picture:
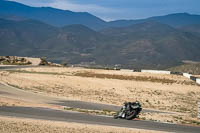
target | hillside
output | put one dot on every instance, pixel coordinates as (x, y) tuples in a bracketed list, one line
[(150, 44), (194, 28), (73, 43), (193, 68), (49, 15), (23, 37), (153, 43)]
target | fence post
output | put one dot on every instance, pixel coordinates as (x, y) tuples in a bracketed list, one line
[(198, 110)]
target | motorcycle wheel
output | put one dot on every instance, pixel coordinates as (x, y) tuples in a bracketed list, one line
[(131, 115)]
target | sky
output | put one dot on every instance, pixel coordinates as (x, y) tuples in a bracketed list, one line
[(121, 9)]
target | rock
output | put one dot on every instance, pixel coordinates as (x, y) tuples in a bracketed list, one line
[(43, 62), (14, 60)]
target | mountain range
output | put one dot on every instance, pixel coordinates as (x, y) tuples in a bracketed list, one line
[(57, 17), (81, 38)]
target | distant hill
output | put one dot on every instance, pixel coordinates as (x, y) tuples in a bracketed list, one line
[(49, 15), (34, 38), (150, 44), (76, 38), (177, 19), (22, 37), (12, 17), (174, 20), (59, 18), (193, 68), (74, 44), (153, 42), (194, 28)]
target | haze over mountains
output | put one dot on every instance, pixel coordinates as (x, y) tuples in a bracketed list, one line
[(156, 42)]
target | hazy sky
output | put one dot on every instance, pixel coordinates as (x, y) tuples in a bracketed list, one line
[(121, 9)]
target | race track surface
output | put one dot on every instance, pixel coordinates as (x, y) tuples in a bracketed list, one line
[(66, 116), (97, 106)]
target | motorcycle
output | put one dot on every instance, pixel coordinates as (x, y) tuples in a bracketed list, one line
[(129, 111)]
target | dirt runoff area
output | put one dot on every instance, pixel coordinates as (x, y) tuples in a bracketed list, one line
[(5, 101), (17, 125), (154, 91)]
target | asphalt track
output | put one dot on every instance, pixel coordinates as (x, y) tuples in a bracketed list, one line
[(65, 116), (98, 106)]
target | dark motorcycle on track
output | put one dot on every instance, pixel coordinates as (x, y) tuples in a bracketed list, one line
[(129, 111)]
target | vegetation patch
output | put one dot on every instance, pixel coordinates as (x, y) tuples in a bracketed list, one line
[(96, 112), (135, 78), (15, 63)]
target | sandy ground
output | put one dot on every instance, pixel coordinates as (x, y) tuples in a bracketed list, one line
[(17, 125), (4, 101), (171, 118), (179, 95), (6, 65), (69, 70), (34, 61)]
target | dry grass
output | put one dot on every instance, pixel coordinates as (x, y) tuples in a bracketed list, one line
[(95, 112), (135, 78), (171, 118), (17, 125)]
